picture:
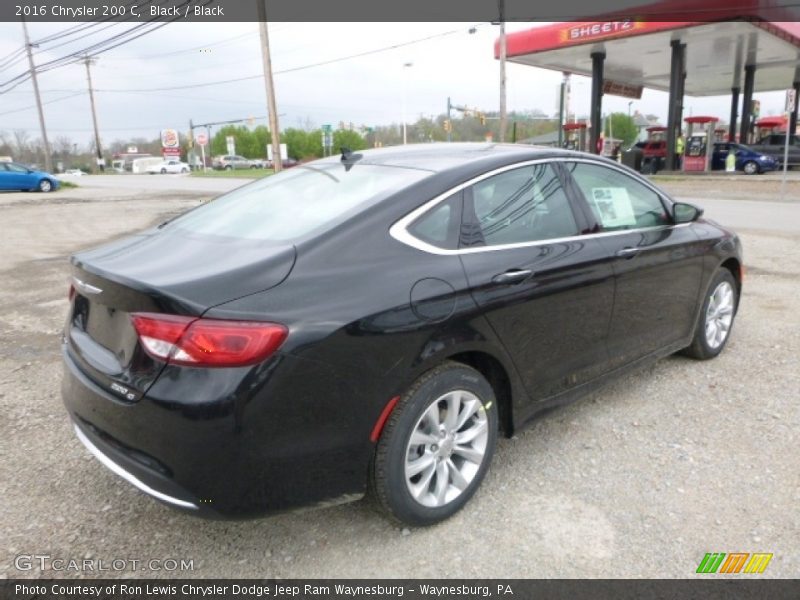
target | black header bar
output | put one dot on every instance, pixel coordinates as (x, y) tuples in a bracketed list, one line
[(388, 10)]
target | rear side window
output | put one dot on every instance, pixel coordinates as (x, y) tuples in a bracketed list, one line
[(297, 202), (440, 226), (526, 204), (617, 200)]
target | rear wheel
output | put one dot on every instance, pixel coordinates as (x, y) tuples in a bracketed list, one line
[(228, 168), (163, 171), (45, 185), (750, 168), (437, 446), (716, 317)]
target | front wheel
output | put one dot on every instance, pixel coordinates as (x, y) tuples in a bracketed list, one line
[(716, 317), (437, 446), (45, 185), (163, 171), (750, 168)]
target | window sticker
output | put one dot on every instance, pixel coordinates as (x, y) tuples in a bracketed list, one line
[(613, 206)]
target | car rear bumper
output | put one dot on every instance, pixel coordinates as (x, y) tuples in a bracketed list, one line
[(208, 447)]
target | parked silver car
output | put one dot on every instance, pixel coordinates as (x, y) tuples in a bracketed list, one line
[(233, 161)]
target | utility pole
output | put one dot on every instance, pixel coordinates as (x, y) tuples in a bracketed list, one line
[(100, 161), (450, 129), (48, 161), (269, 86), (503, 115)]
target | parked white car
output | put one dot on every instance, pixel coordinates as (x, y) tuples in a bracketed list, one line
[(74, 173), (168, 166)]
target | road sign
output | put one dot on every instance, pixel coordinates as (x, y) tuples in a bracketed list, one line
[(790, 100), (284, 154), (201, 138), (230, 142), (327, 128)]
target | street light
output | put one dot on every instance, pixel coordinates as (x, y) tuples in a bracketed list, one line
[(405, 86)]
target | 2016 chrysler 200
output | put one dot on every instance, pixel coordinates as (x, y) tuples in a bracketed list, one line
[(375, 320)]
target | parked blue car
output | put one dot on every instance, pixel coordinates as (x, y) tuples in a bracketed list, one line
[(14, 176), (747, 159)]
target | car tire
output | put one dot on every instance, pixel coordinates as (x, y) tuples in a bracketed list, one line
[(45, 185), (714, 323), (750, 168), (229, 168), (253, 166), (407, 472), (184, 170)]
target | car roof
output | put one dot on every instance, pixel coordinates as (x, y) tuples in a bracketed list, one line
[(444, 156)]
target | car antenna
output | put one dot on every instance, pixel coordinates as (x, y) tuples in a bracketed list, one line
[(348, 158)]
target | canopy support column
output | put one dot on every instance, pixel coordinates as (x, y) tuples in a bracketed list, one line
[(747, 104), (734, 114), (597, 100), (675, 101), (793, 115)]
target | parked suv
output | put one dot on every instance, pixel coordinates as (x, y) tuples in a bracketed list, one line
[(773, 144), (233, 161)]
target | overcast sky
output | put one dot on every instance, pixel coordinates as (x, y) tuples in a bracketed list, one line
[(368, 90)]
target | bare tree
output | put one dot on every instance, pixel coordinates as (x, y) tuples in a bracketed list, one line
[(6, 149), (62, 146), (21, 144)]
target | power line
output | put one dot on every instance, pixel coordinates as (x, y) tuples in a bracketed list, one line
[(290, 70), (95, 49), (53, 101)]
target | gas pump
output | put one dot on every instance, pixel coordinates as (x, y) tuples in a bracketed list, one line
[(699, 143), (654, 151), (575, 136)]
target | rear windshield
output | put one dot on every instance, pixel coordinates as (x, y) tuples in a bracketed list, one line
[(297, 202)]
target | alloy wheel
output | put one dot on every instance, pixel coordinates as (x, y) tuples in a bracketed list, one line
[(446, 448), (719, 315)]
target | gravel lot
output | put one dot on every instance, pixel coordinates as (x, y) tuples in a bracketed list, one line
[(639, 480)]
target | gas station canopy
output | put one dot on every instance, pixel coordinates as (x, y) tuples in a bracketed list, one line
[(638, 53), (683, 47)]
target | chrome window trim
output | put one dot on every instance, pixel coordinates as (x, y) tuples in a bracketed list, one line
[(127, 475), (399, 230)]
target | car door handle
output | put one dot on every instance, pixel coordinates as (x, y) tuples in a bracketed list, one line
[(628, 252), (512, 276)]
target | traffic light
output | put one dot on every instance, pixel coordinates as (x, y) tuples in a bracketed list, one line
[(447, 125), (482, 118)]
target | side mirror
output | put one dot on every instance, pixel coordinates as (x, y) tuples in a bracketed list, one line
[(682, 212)]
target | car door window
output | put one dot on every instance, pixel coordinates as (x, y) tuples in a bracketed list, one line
[(522, 205), (16, 168), (617, 200)]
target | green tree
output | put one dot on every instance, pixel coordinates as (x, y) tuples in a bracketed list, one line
[(345, 138), (249, 143), (621, 127)]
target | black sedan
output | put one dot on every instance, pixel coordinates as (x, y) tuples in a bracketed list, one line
[(374, 321)]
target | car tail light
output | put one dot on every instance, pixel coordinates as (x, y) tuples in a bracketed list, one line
[(71, 293), (195, 342)]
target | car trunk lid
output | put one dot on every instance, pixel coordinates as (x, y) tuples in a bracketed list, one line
[(154, 273)]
